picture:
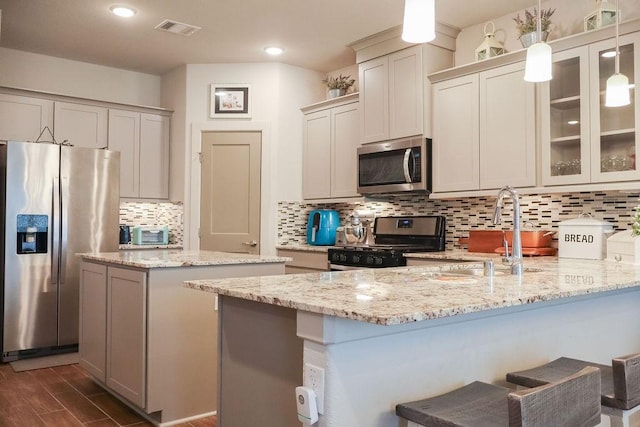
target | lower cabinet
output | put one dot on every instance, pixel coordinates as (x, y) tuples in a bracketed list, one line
[(304, 261), (150, 341), (113, 328), (126, 333)]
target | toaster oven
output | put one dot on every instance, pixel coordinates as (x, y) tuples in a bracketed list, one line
[(150, 235)]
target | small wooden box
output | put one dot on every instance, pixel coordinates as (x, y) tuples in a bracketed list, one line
[(622, 247)]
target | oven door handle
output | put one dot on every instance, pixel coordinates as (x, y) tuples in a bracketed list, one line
[(405, 165), (337, 267)]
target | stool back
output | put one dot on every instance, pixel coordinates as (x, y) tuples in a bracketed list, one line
[(572, 401), (626, 379)]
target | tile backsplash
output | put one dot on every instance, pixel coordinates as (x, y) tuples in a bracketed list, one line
[(148, 213), (542, 210)]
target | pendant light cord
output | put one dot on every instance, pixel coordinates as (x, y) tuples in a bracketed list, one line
[(617, 39), (539, 24)]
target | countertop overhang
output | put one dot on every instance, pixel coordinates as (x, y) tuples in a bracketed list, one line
[(178, 258), (393, 296)]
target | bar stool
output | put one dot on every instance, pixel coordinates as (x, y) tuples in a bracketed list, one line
[(571, 401), (620, 383)]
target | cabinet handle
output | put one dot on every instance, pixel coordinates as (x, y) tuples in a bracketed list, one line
[(252, 243)]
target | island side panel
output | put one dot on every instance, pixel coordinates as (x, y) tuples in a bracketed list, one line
[(260, 364), (368, 373), (182, 345)]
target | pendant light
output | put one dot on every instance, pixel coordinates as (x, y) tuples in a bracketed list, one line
[(419, 25), (538, 65), (617, 94)]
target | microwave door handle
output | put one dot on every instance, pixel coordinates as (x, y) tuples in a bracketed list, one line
[(405, 165)]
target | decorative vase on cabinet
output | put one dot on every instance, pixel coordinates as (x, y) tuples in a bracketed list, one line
[(528, 39), (334, 93)]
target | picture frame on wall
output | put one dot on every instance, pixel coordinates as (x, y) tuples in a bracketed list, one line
[(230, 101)]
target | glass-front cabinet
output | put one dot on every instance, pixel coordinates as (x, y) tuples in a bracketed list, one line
[(583, 141)]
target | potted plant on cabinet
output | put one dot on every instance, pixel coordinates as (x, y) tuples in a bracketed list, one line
[(338, 85), (527, 27)]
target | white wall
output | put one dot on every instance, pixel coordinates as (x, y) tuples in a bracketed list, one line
[(174, 97), (278, 91), (33, 71), (566, 20)]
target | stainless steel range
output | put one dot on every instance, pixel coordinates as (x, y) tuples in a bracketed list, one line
[(394, 236)]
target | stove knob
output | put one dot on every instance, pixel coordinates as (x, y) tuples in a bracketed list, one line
[(334, 257), (343, 257), (379, 260), (356, 258), (370, 260)]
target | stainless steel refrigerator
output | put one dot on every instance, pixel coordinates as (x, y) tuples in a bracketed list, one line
[(56, 201)]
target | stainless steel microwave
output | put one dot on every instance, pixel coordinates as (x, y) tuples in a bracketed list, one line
[(395, 166)]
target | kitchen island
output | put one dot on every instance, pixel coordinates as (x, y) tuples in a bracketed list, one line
[(141, 332), (387, 336)]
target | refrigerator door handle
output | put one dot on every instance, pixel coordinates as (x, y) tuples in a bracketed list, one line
[(64, 226), (55, 232)]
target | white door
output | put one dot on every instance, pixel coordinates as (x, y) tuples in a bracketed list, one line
[(230, 195)]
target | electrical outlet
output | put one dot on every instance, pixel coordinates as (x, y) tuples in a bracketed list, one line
[(314, 379)]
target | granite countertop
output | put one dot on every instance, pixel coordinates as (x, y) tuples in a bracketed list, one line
[(178, 258), (132, 247), (394, 296)]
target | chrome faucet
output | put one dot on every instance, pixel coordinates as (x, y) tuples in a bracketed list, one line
[(515, 260)]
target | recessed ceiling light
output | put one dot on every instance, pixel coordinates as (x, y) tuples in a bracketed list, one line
[(122, 11), (273, 50)]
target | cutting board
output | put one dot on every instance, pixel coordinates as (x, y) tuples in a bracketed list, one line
[(483, 240)]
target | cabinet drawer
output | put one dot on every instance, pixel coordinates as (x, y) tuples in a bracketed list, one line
[(305, 260)]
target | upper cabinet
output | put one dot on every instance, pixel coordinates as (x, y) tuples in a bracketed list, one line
[(583, 141), (22, 118), (330, 143), (391, 96), (484, 131), (143, 142), (80, 125)]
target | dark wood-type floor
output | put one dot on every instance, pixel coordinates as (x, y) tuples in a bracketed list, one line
[(64, 396)]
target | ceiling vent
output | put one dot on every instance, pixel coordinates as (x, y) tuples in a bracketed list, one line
[(177, 27)]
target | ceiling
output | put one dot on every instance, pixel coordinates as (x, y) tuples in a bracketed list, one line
[(314, 33)]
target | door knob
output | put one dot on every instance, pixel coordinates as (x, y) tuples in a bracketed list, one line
[(252, 243)]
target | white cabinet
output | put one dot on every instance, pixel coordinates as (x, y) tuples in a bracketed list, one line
[(126, 333), (391, 96), (143, 141), (330, 138), (484, 131), (304, 261), (93, 319), (80, 125), (113, 328), (22, 118), (583, 141)]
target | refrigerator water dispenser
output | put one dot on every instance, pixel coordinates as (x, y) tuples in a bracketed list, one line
[(32, 234)]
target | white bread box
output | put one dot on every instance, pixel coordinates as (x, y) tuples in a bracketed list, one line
[(584, 237), (622, 247)]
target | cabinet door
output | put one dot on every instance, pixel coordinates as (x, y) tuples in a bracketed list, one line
[(316, 183), (507, 128), (127, 333), (405, 93), (23, 118), (92, 346), (615, 139), (344, 146), (124, 136), (564, 118), (374, 100), (456, 148), (80, 125), (154, 156)]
